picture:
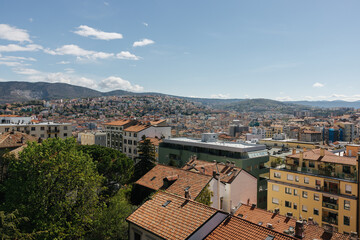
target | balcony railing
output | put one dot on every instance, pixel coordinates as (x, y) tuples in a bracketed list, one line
[(347, 176), (330, 190), (330, 220), (53, 131), (330, 205)]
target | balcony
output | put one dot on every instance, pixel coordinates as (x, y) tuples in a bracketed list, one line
[(331, 220), (347, 176), (330, 205), (49, 131), (330, 190)]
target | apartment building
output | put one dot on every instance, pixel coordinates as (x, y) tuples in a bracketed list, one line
[(320, 185), (93, 138), (250, 157), (125, 135)]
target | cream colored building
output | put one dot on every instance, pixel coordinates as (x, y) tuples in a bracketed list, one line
[(93, 138)]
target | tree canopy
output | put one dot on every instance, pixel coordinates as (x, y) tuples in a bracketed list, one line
[(146, 160), (55, 186)]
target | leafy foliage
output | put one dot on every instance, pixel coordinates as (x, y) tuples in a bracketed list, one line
[(9, 225), (146, 160), (205, 196), (115, 166), (111, 223), (55, 186)]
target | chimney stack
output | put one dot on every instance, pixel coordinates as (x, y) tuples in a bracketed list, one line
[(232, 164), (354, 236), (293, 151), (187, 194), (227, 163), (329, 229), (322, 152), (299, 229)]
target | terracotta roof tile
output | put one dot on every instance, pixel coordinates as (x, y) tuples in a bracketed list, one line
[(136, 128), (281, 223), (10, 140), (118, 123), (177, 220), (329, 157), (154, 179), (227, 173), (237, 228)]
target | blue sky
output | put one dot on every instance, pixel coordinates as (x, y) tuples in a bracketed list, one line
[(277, 49)]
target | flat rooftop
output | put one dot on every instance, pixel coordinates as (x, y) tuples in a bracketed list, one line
[(33, 124), (219, 145)]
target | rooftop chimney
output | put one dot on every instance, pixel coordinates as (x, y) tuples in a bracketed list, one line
[(354, 236), (299, 229), (227, 163), (329, 229), (276, 210), (187, 194), (216, 175), (322, 152), (293, 151)]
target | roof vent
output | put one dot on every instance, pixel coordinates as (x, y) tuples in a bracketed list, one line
[(269, 225), (270, 237), (260, 223), (289, 214), (328, 228), (253, 205), (276, 210)]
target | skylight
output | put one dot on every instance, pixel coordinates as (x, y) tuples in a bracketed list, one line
[(166, 203), (152, 178)]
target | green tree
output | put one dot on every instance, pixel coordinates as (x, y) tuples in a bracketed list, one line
[(9, 225), (115, 166), (111, 223), (146, 160), (205, 196), (56, 187)]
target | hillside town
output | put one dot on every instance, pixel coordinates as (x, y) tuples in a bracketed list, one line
[(299, 168)]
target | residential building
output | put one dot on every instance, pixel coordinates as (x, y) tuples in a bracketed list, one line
[(250, 157), (232, 186), (43, 130), (168, 216), (124, 135), (309, 229), (320, 185), (93, 138)]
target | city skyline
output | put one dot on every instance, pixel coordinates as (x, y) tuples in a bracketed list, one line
[(279, 50)]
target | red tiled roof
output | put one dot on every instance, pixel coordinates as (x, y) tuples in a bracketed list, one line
[(154, 179), (281, 223), (4, 115), (227, 173), (329, 157), (177, 220), (136, 128), (118, 123), (10, 140), (237, 228)]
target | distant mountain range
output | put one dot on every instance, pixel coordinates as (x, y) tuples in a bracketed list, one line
[(25, 91)]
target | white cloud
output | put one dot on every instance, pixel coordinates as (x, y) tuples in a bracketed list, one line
[(318, 85), (18, 48), (10, 33), (10, 64), (222, 96), (106, 3), (31, 19), (63, 62), (127, 55), (79, 52), (145, 24), (115, 83), (26, 71), (143, 42), (286, 98), (87, 31)]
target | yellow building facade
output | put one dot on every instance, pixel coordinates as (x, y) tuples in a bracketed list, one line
[(308, 188)]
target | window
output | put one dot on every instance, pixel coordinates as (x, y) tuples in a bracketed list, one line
[(347, 188), (304, 208), (42, 128), (137, 236), (306, 180), (135, 142), (346, 169), (7, 129), (311, 164), (305, 195), (316, 211), (346, 220), (124, 150), (277, 175), (295, 192), (65, 134), (295, 205), (318, 182), (125, 141), (275, 200), (290, 177), (32, 128), (316, 197), (296, 178), (135, 151), (346, 205), (275, 188), (129, 150), (221, 202), (129, 134), (288, 190), (135, 135), (42, 135), (65, 127), (288, 204)]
